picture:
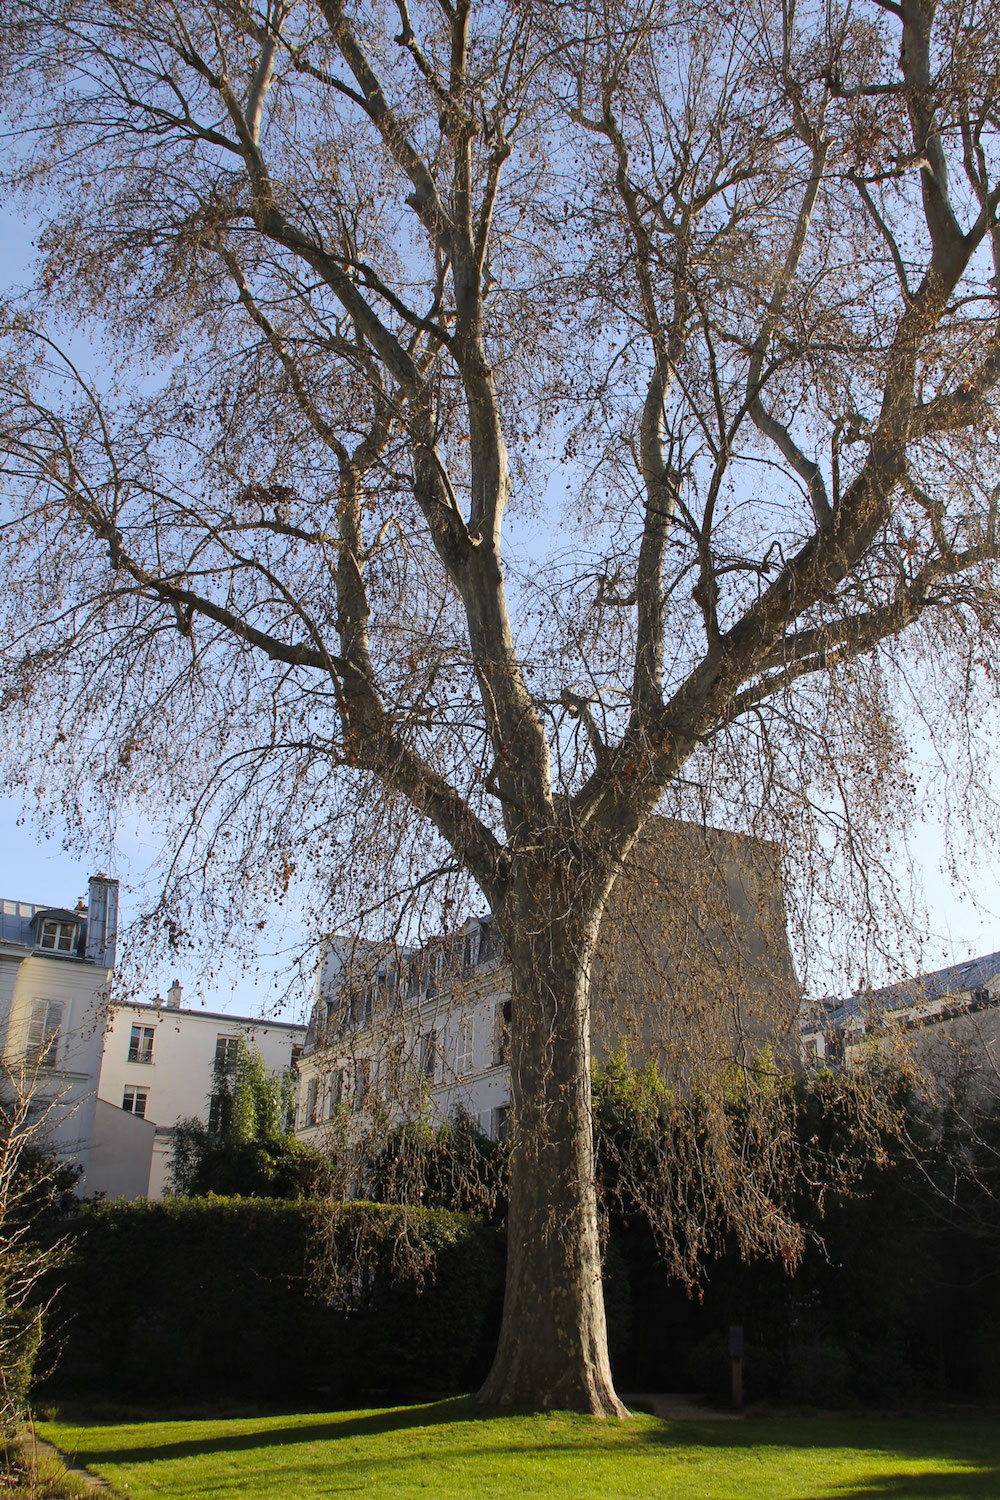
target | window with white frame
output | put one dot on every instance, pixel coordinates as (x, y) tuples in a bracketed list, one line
[(489, 942), (429, 1055), (58, 937), (44, 1028), (470, 950), (312, 1101), (226, 1051), (337, 1090), (140, 1045), (362, 1079), (134, 1101), (465, 1048)]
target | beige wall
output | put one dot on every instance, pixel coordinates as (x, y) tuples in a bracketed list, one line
[(694, 967)]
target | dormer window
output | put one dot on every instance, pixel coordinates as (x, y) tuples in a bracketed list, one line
[(56, 931), (59, 936), (470, 954)]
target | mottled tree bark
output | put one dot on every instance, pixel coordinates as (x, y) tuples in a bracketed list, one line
[(553, 1349)]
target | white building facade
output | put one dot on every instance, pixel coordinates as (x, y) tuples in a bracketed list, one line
[(56, 966), (158, 1068), (409, 1033)]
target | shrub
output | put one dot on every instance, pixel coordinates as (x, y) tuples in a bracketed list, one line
[(33, 1189), (20, 1335), (266, 1297), (820, 1374), (248, 1148)]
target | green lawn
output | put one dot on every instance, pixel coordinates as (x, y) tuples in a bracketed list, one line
[(450, 1448)]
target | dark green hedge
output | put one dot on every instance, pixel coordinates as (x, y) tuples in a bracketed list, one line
[(262, 1297)]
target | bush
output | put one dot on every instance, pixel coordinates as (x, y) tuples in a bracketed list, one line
[(820, 1374), (264, 1297), (34, 1187), (710, 1370), (248, 1149), (20, 1336)]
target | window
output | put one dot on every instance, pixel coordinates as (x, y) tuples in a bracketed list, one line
[(312, 1100), (214, 1114), (363, 1003), (337, 1089), (489, 942), (226, 1051), (501, 1033), (58, 937), (470, 952), (466, 1045), (134, 1101), (429, 1055), (140, 1046), (500, 1123), (362, 1079), (42, 1047)]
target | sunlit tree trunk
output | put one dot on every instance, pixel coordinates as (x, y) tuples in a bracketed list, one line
[(553, 1349)]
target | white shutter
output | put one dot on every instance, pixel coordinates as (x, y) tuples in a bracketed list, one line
[(42, 1047), (466, 1045), (36, 1031), (53, 1026)]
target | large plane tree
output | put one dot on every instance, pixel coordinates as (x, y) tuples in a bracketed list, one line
[(702, 298)]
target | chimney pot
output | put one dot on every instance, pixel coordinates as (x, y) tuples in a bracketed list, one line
[(174, 995)]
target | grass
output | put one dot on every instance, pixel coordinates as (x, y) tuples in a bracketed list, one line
[(452, 1448)]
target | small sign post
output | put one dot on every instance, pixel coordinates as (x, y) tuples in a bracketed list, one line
[(736, 1359)]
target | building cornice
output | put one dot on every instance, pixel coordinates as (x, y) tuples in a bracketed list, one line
[(166, 1011)]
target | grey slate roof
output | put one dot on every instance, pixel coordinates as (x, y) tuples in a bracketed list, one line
[(974, 974), (15, 921)]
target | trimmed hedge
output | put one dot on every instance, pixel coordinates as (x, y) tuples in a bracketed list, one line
[(263, 1297)]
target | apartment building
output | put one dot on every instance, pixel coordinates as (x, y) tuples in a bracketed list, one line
[(56, 965), (694, 971), (158, 1067)]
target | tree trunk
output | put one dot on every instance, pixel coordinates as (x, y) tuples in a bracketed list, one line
[(553, 1349)]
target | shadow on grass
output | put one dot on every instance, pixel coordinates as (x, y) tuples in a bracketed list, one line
[(976, 1444), (372, 1424), (973, 1443), (979, 1485)]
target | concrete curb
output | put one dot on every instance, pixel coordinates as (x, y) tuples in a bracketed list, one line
[(32, 1443)]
